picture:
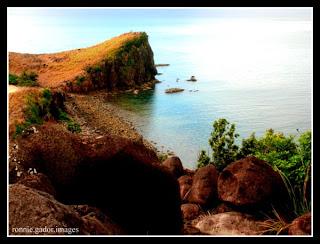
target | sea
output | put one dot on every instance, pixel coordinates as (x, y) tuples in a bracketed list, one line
[(253, 66)]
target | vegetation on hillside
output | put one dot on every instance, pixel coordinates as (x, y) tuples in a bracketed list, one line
[(55, 69), (288, 155), (27, 78), (39, 109)]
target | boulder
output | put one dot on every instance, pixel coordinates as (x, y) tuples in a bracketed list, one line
[(30, 208), (250, 181), (174, 165), (174, 90), (39, 182), (95, 222), (222, 208), (301, 225), (192, 78), (204, 186), (185, 183), (117, 175), (229, 223), (190, 211)]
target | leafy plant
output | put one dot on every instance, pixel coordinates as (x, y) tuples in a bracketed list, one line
[(222, 142), (203, 159), (73, 127), (28, 78), (13, 79)]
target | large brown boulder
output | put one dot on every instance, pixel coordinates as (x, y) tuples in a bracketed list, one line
[(204, 187), (119, 176), (174, 165), (190, 211), (54, 151), (33, 212), (229, 223), (185, 183), (29, 208), (250, 181), (301, 225), (95, 222), (39, 182)]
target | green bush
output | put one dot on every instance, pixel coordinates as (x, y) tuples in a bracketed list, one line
[(291, 156), (73, 127), (80, 80), (283, 152), (222, 143), (13, 79), (27, 78), (203, 159)]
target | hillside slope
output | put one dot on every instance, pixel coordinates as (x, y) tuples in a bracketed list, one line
[(121, 62)]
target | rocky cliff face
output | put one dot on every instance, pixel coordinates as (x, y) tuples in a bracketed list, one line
[(127, 67)]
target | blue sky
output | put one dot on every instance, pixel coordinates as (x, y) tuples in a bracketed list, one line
[(37, 30)]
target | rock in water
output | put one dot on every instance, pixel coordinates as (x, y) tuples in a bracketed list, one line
[(301, 225), (229, 223), (204, 186), (250, 181), (192, 78), (174, 165), (174, 90)]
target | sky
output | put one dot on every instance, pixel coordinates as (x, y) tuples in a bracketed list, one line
[(41, 30)]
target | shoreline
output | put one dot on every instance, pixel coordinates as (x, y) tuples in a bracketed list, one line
[(97, 117)]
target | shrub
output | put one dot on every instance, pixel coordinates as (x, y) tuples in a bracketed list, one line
[(222, 142), (28, 78), (80, 80), (203, 159), (38, 110), (290, 156), (73, 127), (13, 79)]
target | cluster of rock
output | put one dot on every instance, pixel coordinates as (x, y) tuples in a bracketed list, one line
[(118, 186), (115, 186), (227, 203)]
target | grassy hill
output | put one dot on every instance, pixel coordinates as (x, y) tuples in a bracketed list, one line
[(121, 61)]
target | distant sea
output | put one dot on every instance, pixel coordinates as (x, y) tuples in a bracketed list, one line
[(253, 68)]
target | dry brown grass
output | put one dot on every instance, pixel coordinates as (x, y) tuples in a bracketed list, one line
[(17, 105), (56, 68)]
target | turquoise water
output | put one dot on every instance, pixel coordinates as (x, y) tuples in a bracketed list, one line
[(256, 82), (253, 66)]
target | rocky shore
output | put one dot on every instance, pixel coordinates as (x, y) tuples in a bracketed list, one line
[(77, 167)]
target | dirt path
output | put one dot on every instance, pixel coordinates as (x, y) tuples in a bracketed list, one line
[(13, 88)]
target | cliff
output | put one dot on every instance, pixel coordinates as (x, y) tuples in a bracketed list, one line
[(125, 61)]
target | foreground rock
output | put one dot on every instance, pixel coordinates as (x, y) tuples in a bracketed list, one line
[(204, 187), (174, 90), (229, 223), (174, 165), (185, 183), (39, 182), (301, 225), (190, 211), (30, 208), (250, 181), (121, 177)]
